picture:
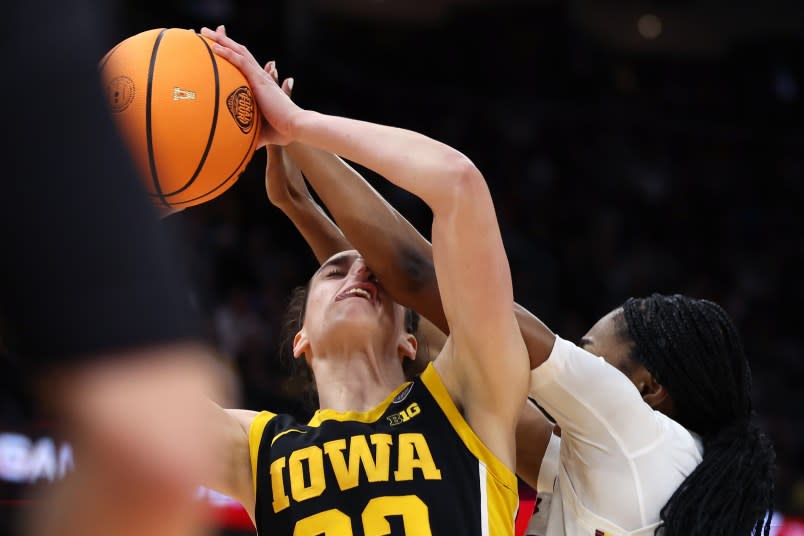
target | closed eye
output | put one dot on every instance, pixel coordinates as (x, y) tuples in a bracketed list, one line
[(334, 272)]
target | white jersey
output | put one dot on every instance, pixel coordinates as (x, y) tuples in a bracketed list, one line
[(619, 461), (548, 472)]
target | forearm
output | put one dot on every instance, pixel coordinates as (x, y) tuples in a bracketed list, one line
[(317, 229), (400, 256), (425, 167), (533, 432), (538, 338)]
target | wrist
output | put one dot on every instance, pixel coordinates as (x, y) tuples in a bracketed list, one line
[(292, 202), (298, 123)]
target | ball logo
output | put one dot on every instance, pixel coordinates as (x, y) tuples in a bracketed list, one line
[(120, 92), (180, 94), (241, 105)]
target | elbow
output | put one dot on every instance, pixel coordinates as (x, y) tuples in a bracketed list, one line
[(464, 173), (462, 181)]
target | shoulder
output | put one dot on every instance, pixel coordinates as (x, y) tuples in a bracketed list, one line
[(257, 424), (244, 417), (685, 446)]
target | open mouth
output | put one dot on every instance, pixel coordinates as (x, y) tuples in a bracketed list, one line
[(366, 291)]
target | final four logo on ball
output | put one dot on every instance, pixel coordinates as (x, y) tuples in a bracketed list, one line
[(120, 92), (241, 106)]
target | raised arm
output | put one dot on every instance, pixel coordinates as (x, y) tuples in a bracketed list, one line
[(287, 191), (484, 363), (400, 256), (396, 252)]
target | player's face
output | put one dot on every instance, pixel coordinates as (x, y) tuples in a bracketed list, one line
[(605, 340), (346, 301)]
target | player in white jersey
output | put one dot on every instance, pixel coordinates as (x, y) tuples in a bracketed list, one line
[(657, 432)]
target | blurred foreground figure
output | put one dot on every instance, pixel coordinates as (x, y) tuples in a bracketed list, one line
[(89, 292)]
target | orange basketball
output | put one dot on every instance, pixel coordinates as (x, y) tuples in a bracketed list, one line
[(187, 115)]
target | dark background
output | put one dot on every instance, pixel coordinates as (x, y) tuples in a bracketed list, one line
[(621, 162)]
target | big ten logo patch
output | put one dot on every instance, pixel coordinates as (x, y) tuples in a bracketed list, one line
[(241, 106), (405, 415)]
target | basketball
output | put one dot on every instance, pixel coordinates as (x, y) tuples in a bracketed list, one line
[(187, 115)]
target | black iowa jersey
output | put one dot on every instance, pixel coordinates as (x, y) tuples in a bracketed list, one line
[(411, 466)]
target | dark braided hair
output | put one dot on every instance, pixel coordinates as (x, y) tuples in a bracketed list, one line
[(294, 320), (692, 348)]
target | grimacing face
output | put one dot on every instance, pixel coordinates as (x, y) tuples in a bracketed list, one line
[(346, 304), (606, 341)]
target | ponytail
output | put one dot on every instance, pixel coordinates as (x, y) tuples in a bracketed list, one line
[(692, 348), (731, 490)]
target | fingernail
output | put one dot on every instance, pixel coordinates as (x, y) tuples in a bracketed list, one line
[(290, 84)]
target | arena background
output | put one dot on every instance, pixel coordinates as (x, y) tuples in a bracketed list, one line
[(630, 146)]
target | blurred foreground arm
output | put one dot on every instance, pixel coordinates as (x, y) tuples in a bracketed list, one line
[(90, 290)]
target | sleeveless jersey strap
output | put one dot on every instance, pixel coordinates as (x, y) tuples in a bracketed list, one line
[(255, 433), (438, 390)]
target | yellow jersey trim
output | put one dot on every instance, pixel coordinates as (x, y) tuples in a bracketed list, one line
[(366, 417), (255, 432), (289, 430), (497, 468)]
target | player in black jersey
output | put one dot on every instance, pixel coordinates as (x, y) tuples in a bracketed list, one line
[(386, 456)]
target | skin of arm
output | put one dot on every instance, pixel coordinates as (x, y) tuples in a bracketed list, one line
[(400, 256), (232, 475), (287, 191), (532, 436)]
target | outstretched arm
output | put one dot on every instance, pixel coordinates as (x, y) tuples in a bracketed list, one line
[(400, 257)]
